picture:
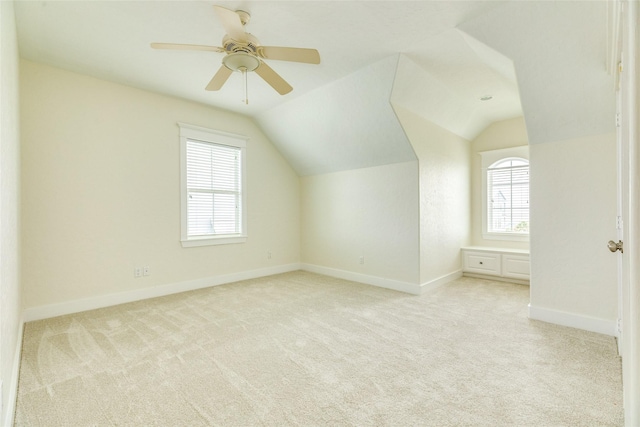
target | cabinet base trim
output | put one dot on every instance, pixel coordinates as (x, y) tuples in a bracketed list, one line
[(496, 278)]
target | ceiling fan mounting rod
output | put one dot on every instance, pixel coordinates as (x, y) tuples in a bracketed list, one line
[(245, 17)]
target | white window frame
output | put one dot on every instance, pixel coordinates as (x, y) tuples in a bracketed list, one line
[(488, 159), (197, 133)]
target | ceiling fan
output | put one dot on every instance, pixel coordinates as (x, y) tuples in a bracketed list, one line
[(244, 53)]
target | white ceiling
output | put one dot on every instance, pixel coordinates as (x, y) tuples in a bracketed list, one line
[(110, 40), (447, 54)]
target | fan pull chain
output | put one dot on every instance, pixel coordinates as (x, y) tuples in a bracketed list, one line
[(243, 70)]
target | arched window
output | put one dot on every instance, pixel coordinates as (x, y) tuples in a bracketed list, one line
[(505, 194), (508, 196)]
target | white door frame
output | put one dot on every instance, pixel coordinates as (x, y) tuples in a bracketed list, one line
[(628, 135)]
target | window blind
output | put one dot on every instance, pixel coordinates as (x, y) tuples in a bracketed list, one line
[(508, 207), (214, 189)]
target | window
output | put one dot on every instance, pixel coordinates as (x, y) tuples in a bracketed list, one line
[(212, 187), (506, 194)]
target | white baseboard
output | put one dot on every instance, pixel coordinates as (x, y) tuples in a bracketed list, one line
[(578, 321), (442, 280), (497, 278), (396, 285), (101, 301), (15, 375)]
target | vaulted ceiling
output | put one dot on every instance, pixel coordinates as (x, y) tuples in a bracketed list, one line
[(435, 58)]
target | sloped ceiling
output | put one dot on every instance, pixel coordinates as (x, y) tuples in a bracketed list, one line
[(559, 52), (347, 124), (446, 81), (435, 58)]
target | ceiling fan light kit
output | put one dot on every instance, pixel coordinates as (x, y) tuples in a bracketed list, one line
[(241, 61), (245, 54)]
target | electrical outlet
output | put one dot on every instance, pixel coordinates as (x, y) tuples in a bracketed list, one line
[(146, 271), (137, 272), (361, 260), (268, 254)]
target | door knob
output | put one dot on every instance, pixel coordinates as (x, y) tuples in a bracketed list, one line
[(613, 246)]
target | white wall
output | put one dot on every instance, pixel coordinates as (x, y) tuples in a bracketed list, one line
[(101, 191), (370, 212), (443, 159), (503, 134), (572, 164), (573, 216), (10, 291)]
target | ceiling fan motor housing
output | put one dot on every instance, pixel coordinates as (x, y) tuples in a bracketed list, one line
[(251, 45)]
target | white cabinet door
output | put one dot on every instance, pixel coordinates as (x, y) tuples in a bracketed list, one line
[(515, 266)]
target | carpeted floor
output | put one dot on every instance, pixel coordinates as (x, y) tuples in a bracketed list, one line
[(308, 350)]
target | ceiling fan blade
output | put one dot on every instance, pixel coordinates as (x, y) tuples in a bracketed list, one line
[(176, 46), (219, 79), (293, 54), (273, 78), (231, 23)]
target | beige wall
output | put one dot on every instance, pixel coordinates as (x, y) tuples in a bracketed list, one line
[(573, 215), (503, 134), (10, 291), (369, 212), (408, 220), (444, 195), (101, 190)]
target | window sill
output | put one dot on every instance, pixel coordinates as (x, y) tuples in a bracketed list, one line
[(212, 241), (513, 237)]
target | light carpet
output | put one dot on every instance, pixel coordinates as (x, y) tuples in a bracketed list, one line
[(301, 349)]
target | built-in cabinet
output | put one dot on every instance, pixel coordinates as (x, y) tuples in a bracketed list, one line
[(496, 262)]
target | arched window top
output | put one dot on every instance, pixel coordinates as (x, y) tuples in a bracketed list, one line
[(493, 157), (509, 162)]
